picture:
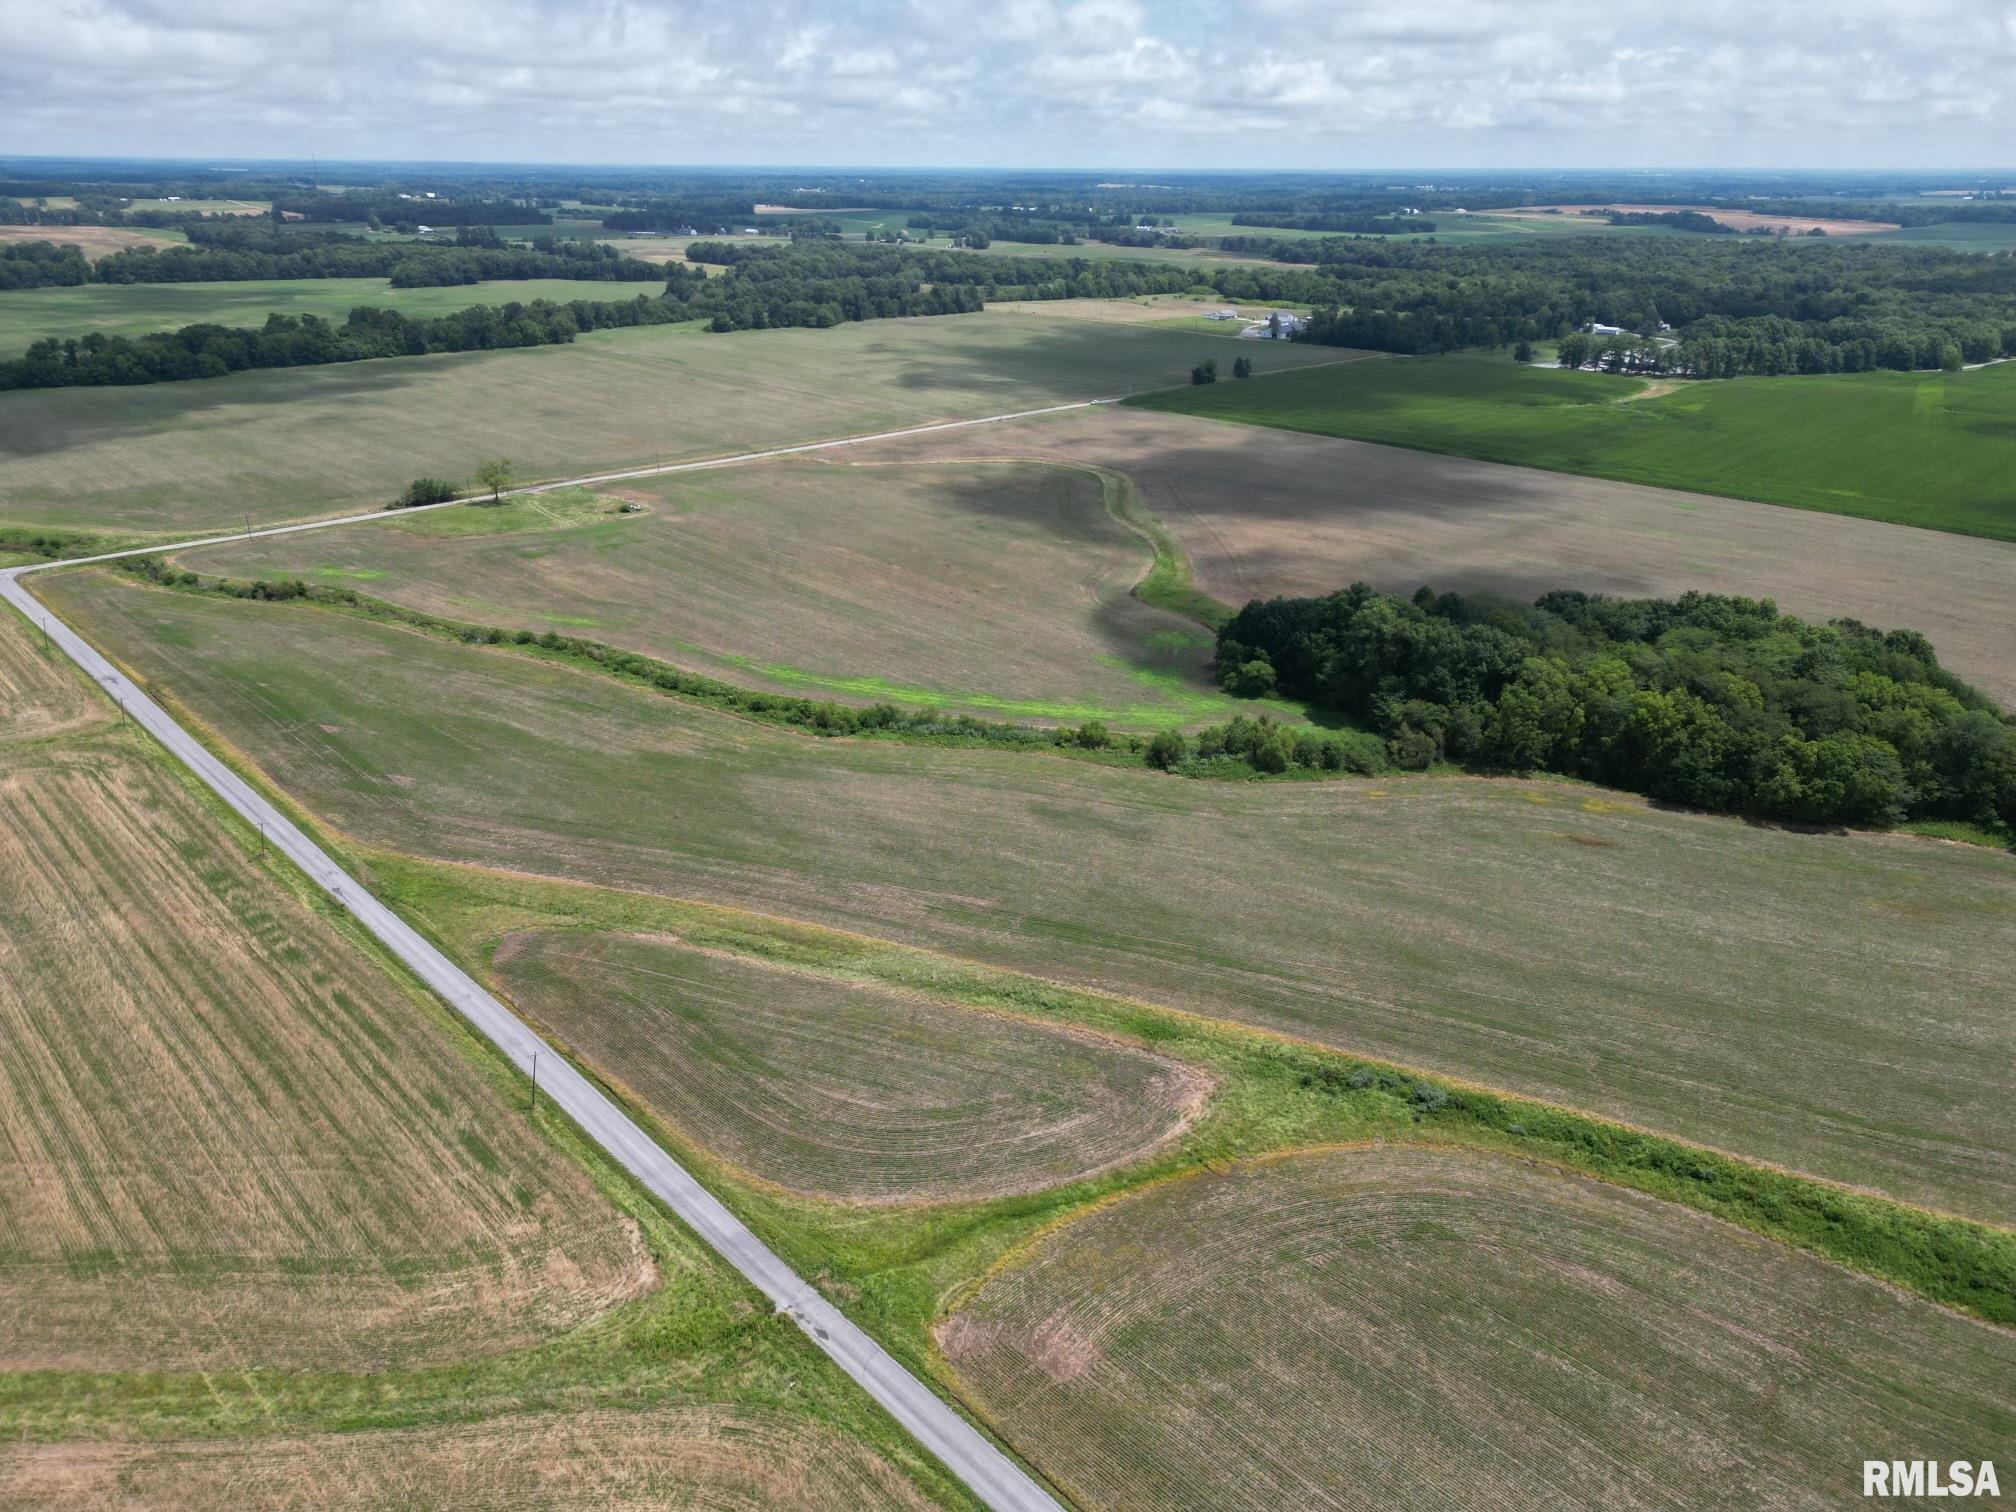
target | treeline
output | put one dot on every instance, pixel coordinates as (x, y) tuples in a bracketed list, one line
[(1714, 702), (42, 265), (1995, 209), (707, 215), (377, 208), (811, 284), (1738, 305), (211, 351), (1357, 225), (233, 254), (1678, 220), (1001, 278)]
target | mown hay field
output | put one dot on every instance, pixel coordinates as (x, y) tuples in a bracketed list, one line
[(1414, 1327), (730, 1459), (1263, 512), (1930, 449), (229, 1139), (1834, 1004), (840, 1090), (1001, 589), (27, 315), (182, 457)]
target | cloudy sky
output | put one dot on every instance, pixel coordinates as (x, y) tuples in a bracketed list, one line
[(1099, 83)]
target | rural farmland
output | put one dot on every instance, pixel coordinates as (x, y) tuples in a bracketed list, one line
[(1001, 589), (1928, 449), (469, 1235), (269, 1186), (846, 1092), (28, 315), (1260, 512), (696, 1456), (1425, 1327), (182, 457), (1234, 897), (777, 833)]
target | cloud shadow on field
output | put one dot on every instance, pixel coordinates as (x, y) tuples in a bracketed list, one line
[(41, 422), (1262, 512)]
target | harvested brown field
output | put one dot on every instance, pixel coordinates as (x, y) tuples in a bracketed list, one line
[(841, 1090), (1264, 512), (227, 1139), (93, 241), (716, 1457), (1737, 220), (995, 589), (1411, 1327), (659, 249), (1831, 1003), (40, 696)]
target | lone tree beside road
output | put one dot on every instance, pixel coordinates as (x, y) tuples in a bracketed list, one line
[(494, 475)]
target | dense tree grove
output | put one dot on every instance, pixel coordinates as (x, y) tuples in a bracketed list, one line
[(1678, 220), (41, 265), (816, 283), (1737, 305), (1715, 702), (996, 277)]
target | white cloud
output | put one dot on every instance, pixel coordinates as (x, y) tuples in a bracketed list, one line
[(1295, 83)]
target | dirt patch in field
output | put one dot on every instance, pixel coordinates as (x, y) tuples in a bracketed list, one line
[(715, 1457), (1264, 512), (1653, 388)]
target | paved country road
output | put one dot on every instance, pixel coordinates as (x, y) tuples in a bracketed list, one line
[(994, 1478)]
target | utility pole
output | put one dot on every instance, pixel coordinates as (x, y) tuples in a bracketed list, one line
[(262, 838), (535, 1081)]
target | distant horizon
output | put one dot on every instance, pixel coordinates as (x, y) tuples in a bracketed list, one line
[(1454, 169)]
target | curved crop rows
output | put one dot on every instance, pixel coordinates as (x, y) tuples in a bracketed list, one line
[(1414, 1327), (838, 1090)]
